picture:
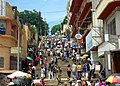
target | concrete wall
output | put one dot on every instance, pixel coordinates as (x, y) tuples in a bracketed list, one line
[(9, 12), (6, 42)]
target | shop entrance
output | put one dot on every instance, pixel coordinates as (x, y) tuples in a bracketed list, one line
[(116, 61)]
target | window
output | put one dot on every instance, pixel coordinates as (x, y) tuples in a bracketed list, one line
[(112, 27), (1, 62), (2, 27), (13, 63)]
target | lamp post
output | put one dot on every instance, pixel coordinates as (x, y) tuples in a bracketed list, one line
[(18, 58)]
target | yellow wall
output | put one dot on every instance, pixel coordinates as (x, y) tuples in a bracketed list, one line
[(6, 42), (23, 43), (9, 12)]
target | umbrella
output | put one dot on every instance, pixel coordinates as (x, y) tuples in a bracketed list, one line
[(11, 84), (82, 57), (29, 58), (85, 55), (17, 74), (113, 79)]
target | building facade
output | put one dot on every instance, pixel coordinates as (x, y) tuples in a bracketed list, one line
[(9, 26), (98, 23), (109, 12)]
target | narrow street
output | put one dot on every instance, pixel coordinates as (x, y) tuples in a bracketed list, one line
[(63, 65), (58, 42)]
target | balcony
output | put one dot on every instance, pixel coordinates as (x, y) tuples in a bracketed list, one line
[(106, 7)]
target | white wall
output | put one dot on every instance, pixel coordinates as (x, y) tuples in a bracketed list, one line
[(2, 8), (118, 22)]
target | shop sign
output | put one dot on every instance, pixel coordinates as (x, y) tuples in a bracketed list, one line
[(78, 36), (89, 43), (14, 50), (2, 27)]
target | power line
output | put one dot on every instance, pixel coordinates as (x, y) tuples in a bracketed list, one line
[(44, 4), (55, 11)]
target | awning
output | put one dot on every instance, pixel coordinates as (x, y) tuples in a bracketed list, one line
[(72, 19), (108, 10), (72, 5), (84, 13), (75, 9), (77, 5), (74, 32)]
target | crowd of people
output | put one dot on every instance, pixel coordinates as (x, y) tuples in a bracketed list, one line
[(81, 66), (47, 58)]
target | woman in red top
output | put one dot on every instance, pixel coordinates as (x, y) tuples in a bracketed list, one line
[(42, 82)]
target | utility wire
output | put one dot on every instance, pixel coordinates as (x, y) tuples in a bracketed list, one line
[(44, 4), (55, 11)]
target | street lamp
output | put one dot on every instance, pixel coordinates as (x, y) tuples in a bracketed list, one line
[(18, 59)]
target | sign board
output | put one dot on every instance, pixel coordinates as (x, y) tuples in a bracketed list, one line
[(14, 50), (89, 42), (78, 36), (2, 27)]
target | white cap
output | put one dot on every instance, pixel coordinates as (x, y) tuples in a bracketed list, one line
[(78, 81), (73, 84)]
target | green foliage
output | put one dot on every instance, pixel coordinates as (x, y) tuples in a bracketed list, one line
[(55, 28), (33, 29), (33, 18), (65, 20)]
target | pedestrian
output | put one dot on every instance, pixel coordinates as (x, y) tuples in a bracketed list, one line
[(50, 71), (74, 70), (42, 72), (33, 72), (42, 82), (84, 83), (59, 72), (79, 71), (69, 69), (73, 84), (78, 83), (65, 83), (84, 68)]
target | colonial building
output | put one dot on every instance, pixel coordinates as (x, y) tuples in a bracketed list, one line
[(9, 26)]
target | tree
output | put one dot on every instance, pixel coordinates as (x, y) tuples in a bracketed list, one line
[(32, 18), (55, 28), (58, 27), (65, 20)]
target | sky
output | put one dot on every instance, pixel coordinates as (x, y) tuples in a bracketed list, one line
[(53, 10)]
